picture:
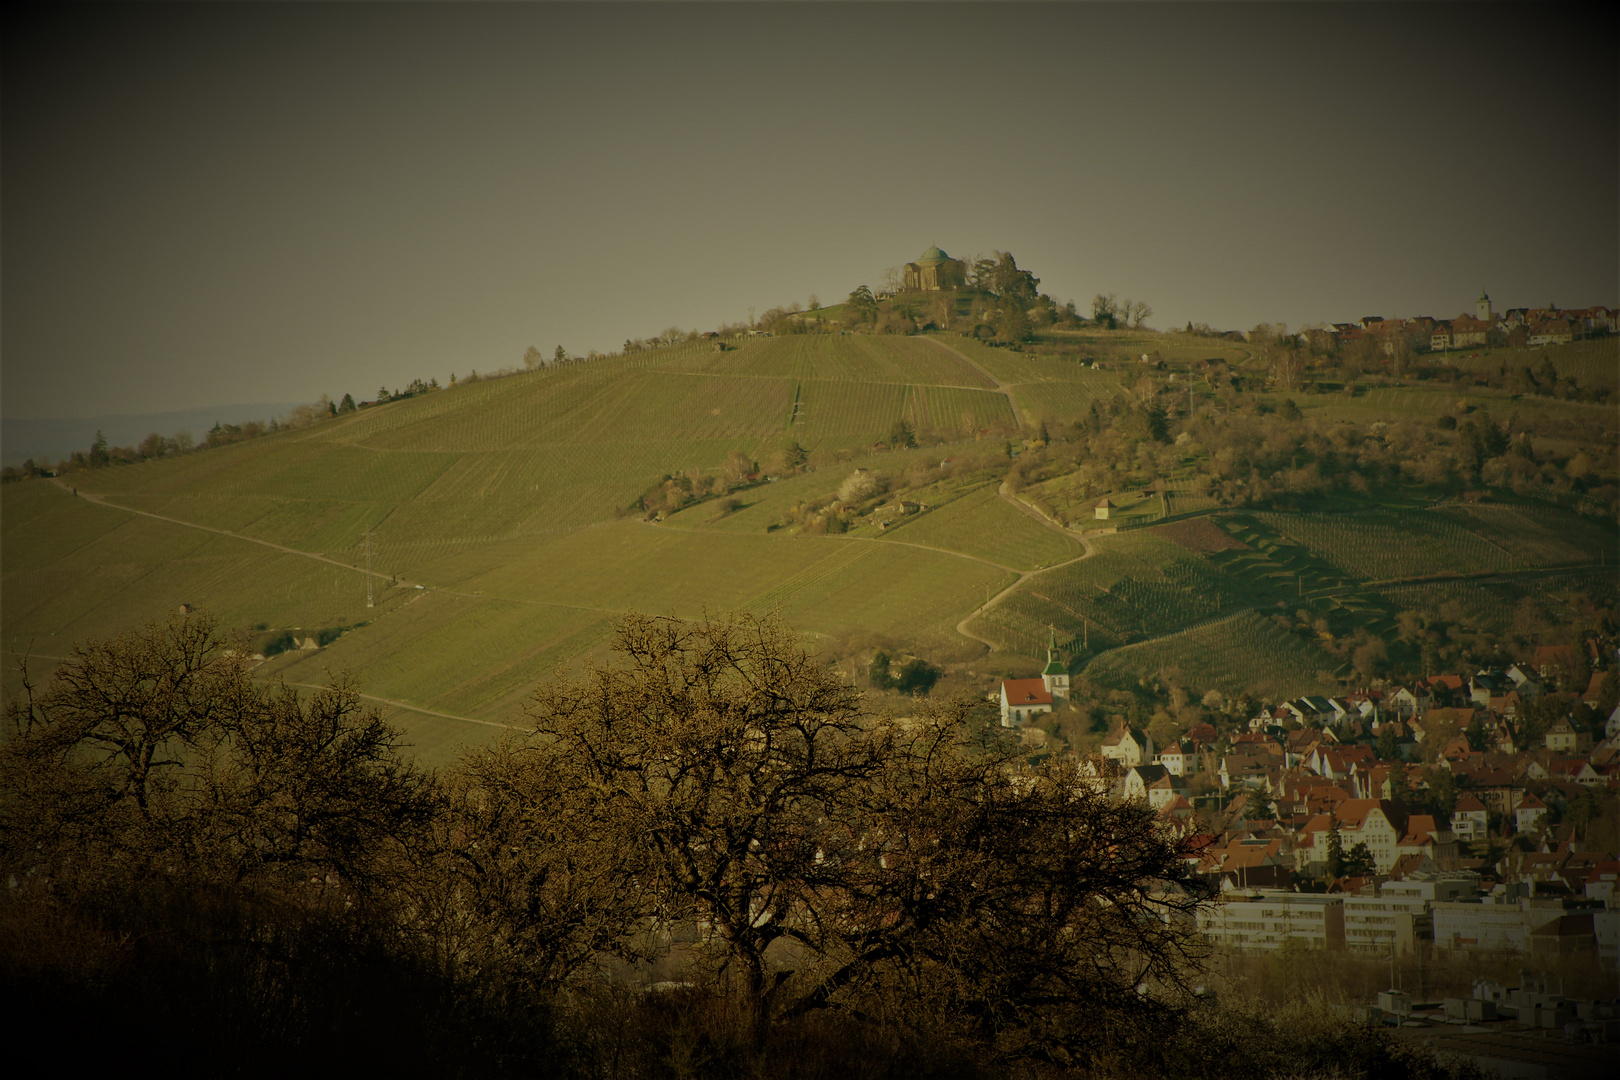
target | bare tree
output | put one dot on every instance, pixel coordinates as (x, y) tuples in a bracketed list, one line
[(731, 761), (155, 749), (892, 858)]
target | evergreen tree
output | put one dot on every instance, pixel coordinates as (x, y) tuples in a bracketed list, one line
[(1580, 665), (917, 676), (878, 671), (1475, 733), (1387, 747), (862, 305), (1335, 848), (1400, 785), (1359, 862)]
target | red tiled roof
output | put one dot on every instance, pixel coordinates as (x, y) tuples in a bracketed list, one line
[(1026, 692)]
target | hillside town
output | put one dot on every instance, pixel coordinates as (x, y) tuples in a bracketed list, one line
[(1458, 813), (1484, 327)]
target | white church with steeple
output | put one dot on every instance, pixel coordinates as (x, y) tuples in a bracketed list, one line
[(1024, 699)]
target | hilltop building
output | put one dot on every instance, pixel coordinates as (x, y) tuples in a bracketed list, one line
[(935, 271)]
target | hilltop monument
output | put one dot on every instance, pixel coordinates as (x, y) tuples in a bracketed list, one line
[(935, 271)]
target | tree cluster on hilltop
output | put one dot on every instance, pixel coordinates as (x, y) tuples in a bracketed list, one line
[(999, 302), (1242, 451)]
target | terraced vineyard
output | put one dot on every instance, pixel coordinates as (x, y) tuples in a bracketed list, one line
[(1136, 584), (1592, 363), (1242, 653), (1381, 546)]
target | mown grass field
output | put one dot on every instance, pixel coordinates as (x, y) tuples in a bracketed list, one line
[(984, 524)]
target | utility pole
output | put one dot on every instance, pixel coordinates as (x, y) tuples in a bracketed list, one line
[(370, 599)]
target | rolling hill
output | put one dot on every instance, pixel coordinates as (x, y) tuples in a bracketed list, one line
[(496, 517)]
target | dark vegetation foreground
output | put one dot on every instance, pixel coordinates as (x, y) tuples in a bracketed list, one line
[(217, 877)]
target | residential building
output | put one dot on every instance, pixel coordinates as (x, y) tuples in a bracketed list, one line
[(1563, 737), (1129, 746), (1138, 778), (1529, 813), (1470, 820), (1179, 760)]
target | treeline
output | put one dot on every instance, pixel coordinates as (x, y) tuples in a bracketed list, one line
[(807, 890)]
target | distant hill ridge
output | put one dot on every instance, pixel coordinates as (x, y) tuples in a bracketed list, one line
[(54, 438)]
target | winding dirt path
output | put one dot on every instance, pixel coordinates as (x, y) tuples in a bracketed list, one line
[(1023, 575), (395, 580), (1005, 389)]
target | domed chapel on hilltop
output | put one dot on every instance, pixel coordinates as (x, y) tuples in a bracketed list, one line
[(935, 271)]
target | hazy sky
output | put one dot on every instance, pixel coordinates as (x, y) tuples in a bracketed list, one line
[(217, 203)]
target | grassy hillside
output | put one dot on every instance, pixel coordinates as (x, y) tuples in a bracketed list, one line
[(501, 534)]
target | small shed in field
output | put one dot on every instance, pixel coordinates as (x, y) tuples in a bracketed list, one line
[(1105, 510)]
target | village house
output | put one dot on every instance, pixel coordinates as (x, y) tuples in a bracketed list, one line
[(1179, 759), (1378, 823), (1246, 767), (1564, 737), (1470, 819), (1528, 814), (1403, 702), (1129, 746), (1154, 785), (1551, 332), (1524, 681)]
